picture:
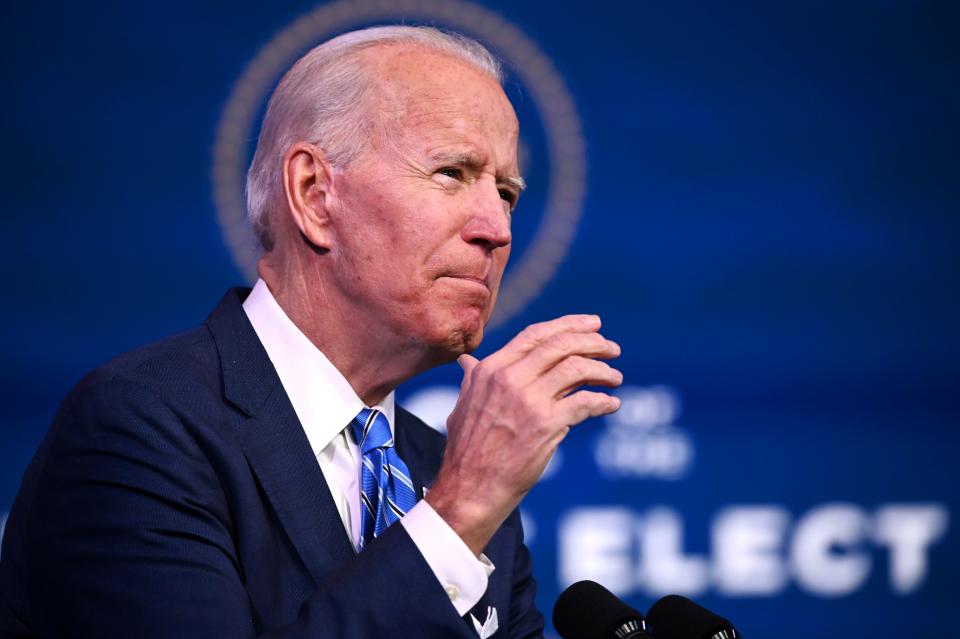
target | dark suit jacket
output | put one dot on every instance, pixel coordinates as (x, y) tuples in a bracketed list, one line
[(176, 495)]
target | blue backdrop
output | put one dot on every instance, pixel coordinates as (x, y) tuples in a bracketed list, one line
[(760, 200)]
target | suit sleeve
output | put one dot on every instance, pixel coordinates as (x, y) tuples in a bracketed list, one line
[(124, 530)]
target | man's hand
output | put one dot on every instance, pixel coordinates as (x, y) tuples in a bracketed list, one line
[(515, 407)]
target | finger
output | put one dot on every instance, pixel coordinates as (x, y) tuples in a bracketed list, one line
[(535, 334), (467, 363), (585, 404), (558, 349), (573, 372)]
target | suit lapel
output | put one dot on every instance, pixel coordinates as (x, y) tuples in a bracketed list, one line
[(420, 448), (275, 444)]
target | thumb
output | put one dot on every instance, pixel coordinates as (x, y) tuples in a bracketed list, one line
[(467, 363)]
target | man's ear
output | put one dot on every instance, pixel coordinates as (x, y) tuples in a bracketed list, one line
[(307, 180)]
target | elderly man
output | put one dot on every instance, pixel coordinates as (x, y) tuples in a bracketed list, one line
[(241, 479)]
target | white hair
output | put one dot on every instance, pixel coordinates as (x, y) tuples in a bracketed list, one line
[(322, 100)]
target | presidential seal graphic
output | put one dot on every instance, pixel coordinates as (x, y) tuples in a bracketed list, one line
[(552, 151)]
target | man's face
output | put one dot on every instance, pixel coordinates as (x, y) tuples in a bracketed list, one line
[(422, 221)]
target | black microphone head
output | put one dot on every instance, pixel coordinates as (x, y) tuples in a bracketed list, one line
[(676, 617), (587, 610)]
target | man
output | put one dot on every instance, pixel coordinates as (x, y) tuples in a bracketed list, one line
[(241, 479)]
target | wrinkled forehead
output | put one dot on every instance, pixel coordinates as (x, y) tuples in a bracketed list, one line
[(414, 86)]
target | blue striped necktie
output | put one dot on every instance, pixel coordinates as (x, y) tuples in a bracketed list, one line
[(386, 490)]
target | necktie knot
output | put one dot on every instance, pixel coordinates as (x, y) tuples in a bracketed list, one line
[(371, 430)]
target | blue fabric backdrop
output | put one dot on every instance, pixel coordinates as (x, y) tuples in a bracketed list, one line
[(760, 199)]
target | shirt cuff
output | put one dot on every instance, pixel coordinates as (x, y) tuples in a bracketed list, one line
[(463, 576)]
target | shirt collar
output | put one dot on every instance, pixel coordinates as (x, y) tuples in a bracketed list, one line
[(321, 396)]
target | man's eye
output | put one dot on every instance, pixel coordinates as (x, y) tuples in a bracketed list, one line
[(451, 172), (508, 196)]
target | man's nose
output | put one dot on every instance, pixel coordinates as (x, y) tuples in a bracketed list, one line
[(489, 221)]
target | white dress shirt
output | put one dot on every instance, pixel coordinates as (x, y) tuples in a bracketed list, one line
[(325, 403)]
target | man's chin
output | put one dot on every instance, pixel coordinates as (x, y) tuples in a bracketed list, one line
[(464, 339), (460, 336)]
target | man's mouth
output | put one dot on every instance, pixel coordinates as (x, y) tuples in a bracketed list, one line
[(467, 277)]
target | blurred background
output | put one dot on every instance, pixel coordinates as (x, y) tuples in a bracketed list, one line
[(760, 199)]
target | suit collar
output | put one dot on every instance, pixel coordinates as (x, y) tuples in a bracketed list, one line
[(321, 396), (248, 376), (274, 442), (278, 450)]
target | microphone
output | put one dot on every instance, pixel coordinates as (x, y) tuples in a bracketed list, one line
[(587, 610), (676, 617)]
